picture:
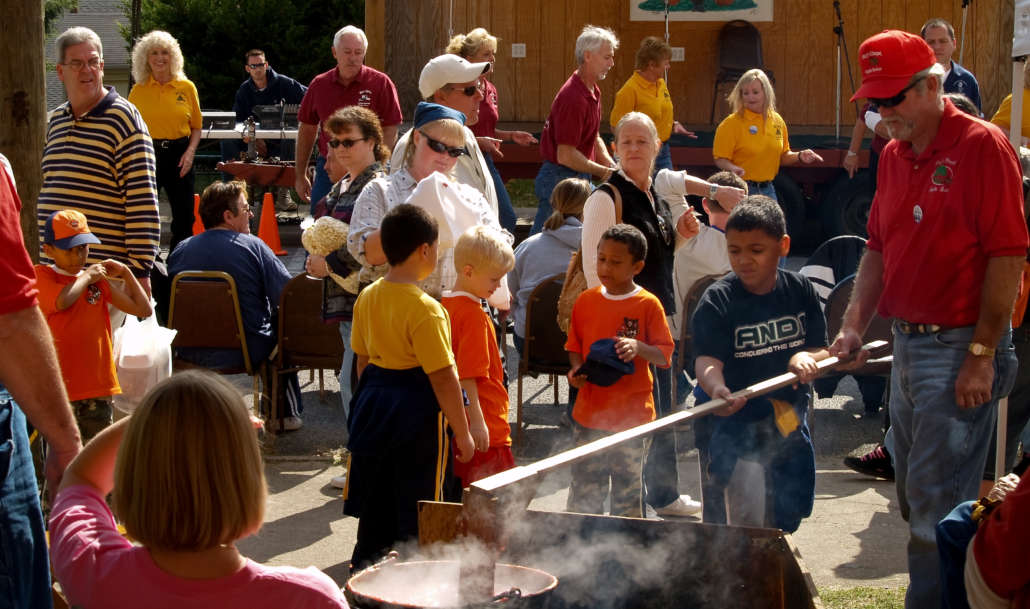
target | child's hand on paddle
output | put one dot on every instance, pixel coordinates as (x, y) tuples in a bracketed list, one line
[(735, 404)]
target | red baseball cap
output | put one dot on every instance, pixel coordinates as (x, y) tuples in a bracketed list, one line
[(66, 229), (889, 60)]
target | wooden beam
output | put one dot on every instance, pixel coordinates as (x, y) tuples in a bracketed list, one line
[(375, 30)]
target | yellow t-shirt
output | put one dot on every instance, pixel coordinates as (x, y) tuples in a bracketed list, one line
[(1003, 117), (398, 326), (170, 110), (652, 99), (752, 142)]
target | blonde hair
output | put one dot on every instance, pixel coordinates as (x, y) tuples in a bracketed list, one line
[(155, 40), (641, 119), (736, 97), (483, 247), (567, 199), (189, 475), (467, 45), (444, 128)]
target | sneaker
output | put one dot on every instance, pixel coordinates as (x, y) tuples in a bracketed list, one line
[(340, 481), (682, 507), (292, 423), (876, 463)]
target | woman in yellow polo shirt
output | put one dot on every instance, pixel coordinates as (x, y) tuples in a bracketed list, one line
[(1003, 117), (645, 91), (752, 141), (168, 103)]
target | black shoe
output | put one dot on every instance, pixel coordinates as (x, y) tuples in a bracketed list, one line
[(871, 410), (876, 463)]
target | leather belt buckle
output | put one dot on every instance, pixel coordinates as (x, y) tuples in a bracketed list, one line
[(910, 328)]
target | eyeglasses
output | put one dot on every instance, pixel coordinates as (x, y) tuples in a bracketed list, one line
[(469, 91), (438, 146), (890, 102), (76, 65), (335, 143), (255, 66)]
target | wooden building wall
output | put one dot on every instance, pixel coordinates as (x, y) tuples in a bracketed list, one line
[(799, 47)]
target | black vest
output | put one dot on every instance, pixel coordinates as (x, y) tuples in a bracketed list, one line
[(660, 233)]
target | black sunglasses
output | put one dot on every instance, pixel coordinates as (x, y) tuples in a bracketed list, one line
[(257, 65), (437, 146), (890, 102), (468, 91), (335, 143)]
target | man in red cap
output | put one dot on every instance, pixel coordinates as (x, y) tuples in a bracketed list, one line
[(947, 242)]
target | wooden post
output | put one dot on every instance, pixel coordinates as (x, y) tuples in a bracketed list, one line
[(23, 105), (417, 32), (375, 31)]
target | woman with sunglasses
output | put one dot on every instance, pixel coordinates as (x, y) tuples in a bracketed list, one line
[(659, 209), (167, 100), (752, 141), (437, 141), (479, 46), (357, 152)]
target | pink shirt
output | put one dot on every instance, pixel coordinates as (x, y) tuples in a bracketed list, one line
[(97, 567)]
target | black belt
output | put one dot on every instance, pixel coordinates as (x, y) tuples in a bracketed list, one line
[(909, 328), (165, 144), (764, 184)]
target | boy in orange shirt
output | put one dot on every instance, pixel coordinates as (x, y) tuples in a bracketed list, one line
[(632, 320), (482, 257), (74, 301)]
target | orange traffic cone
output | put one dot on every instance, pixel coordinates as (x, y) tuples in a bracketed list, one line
[(198, 226), (268, 228)]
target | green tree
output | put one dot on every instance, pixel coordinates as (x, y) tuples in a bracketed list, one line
[(52, 11), (214, 35)]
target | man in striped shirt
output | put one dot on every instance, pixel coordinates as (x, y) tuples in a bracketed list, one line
[(99, 160)]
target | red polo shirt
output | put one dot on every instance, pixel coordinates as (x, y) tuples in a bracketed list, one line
[(370, 88), (938, 218), (574, 119), (486, 126), (17, 277)]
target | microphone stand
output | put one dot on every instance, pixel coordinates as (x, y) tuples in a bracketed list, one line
[(841, 44), (962, 44)]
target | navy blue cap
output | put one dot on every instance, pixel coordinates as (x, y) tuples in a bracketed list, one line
[(427, 112), (603, 366)]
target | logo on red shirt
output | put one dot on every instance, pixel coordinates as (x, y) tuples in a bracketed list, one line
[(942, 175)]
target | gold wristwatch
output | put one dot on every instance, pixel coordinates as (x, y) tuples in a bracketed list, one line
[(981, 350)]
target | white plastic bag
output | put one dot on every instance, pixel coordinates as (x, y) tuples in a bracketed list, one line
[(143, 357)]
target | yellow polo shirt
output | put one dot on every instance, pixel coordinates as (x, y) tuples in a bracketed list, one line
[(1003, 117), (652, 99), (753, 142), (170, 110)]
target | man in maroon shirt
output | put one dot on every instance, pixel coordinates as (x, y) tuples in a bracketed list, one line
[(947, 242), (571, 143), (349, 83)]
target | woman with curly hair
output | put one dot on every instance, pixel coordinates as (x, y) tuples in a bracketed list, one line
[(168, 102)]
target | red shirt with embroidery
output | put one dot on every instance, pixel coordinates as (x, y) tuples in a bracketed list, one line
[(370, 89), (574, 119), (938, 218)]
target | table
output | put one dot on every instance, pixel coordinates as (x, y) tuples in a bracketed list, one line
[(237, 133), (261, 174)]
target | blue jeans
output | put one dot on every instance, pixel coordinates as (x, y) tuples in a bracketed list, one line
[(768, 189), (954, 533), (505, 212), (546, 179), (664, 158), (346, 391), (322, 184), (939, 449), (24, 564), (661, 474)]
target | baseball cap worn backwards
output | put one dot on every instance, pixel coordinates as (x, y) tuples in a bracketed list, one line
[(448, 69), (66, 229), (889, 60)]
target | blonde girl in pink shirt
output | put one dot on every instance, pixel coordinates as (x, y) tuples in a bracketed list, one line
[(188, 482)]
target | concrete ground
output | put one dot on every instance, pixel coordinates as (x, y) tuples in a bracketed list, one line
[(854, 537)]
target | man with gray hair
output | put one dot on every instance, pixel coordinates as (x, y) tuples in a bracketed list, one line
[(450, 80), (947, 243), (349, 83), (571, 143), (99, 160)]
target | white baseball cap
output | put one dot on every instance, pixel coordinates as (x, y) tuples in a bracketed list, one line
[(448, 69)]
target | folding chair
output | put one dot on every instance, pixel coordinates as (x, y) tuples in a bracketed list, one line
[(205, 311), (685, 343), (740, 49), (305, 341), (544, 348)]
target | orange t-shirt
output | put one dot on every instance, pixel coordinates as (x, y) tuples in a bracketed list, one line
[(474, 343), (82, 335), (598, 315)]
